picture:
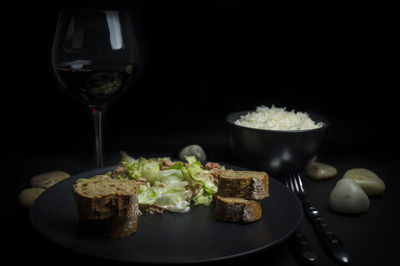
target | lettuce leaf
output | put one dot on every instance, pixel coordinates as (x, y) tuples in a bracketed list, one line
[(195, 175), (148, 169), (174, 201), (147, 195), (170, 188), (201, 198)]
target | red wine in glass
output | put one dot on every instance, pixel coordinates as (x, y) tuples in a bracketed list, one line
[(96, 86), (94, 59)]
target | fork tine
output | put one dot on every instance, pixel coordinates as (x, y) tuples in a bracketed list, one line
[(300, 183), (293, 183)]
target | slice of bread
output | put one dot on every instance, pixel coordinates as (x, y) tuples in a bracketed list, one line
[(229, 209), (114, 227), (104, 197), (107, 206), (243, 184)]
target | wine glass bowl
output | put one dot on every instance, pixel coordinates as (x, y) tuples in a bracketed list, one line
[(94, 60)]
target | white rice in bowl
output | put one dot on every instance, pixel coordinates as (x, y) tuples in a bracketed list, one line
[(275, 118)]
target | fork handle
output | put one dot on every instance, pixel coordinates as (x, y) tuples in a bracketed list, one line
[(328, 239), (302, 247)]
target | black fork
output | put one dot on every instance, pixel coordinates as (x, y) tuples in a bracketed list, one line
[(329, 240), (300, 244)]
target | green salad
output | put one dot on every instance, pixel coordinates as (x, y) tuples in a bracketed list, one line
[(168, 185)]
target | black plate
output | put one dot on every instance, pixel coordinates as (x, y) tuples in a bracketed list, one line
[(171, 237)]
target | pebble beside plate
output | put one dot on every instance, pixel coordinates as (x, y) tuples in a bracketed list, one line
[(171, 237)]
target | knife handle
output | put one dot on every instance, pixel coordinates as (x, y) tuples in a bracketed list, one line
[(328, 239), (302, 248)]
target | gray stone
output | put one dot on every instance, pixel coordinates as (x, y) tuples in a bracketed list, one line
[(367, 179), (320, 171), (348, 197), (193, 150), (48, 179), (28, 196)]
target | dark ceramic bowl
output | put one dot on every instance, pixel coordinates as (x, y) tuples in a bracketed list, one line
[(275, 151)]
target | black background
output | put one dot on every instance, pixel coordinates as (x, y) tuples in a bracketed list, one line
[(201, 61)]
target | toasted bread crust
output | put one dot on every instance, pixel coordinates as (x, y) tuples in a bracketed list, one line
[(237, 209), (108, 204), (243, 184), (114, 227), (122, 227)]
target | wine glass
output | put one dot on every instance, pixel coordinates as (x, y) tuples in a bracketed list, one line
[(94, 59)]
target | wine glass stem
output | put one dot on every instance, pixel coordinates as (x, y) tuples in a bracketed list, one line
[(98, 129)]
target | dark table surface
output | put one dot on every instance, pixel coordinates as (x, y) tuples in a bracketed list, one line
[(201, 62), (370, 237)]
